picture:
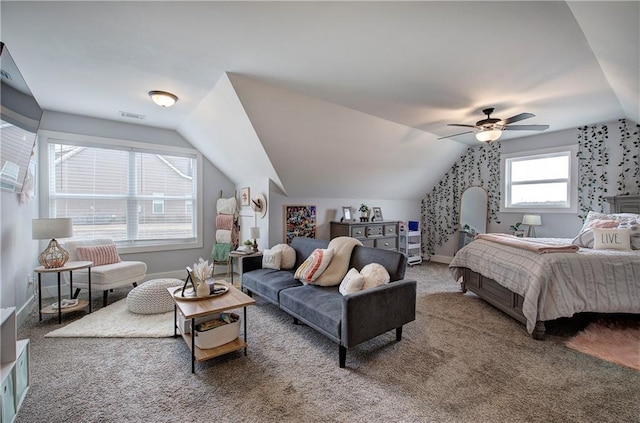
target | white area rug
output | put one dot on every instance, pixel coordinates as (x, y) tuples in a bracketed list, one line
[(115, 321)]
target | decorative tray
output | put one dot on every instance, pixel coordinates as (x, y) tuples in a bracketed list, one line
[(219, 288)]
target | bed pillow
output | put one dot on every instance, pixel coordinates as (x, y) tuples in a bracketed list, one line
[(634, 229), (620, 217), (612, 239), (288, 255), (314, 265), (374, 274), (271, 259), (99, 254), (352, 282), (585, 237)]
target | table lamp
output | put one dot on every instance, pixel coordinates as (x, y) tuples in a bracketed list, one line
[(532, 220), (54, 255), (255, 234)]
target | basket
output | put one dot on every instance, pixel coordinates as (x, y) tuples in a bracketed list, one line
[(217, 336)]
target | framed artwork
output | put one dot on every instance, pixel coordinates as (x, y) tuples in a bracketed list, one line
[(245, 198), (299, 221), (377, 214), (346, 214)]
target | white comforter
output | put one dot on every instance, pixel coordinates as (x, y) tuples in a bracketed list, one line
[(558, 284)]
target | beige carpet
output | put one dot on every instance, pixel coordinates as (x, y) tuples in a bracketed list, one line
[(116, 321), (616, 343)]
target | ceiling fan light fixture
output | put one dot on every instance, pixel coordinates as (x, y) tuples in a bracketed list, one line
[(163, 98), (489, 135)]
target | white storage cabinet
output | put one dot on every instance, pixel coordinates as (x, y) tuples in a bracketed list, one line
[(14, 366), (411, 242)]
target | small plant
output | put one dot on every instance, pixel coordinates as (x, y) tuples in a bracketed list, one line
[(516, 227), (248, 242), (363, 208)]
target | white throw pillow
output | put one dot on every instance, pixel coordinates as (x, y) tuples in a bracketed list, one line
[(353, 282), (612, 239), (314, 265), (634, 228), (288, 255), (271, 259), (374, 274)]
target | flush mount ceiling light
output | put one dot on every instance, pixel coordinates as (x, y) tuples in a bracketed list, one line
[(488, 135), (163, 98)]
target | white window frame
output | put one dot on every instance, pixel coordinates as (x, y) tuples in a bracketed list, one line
[(124, 247), (157, 202), (505, 183)]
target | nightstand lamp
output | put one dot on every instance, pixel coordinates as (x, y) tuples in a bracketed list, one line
[(54, 255), (255, 234), (532, 220)]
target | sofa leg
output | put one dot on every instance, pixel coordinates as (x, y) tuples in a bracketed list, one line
[(399, 334), (135, 284), (75, 294), (105, 293), (296, 321), (342, 356)]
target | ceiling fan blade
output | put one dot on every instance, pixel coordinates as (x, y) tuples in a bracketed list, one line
[(517, 118), (460, 124), (526, 127), (455, 135)]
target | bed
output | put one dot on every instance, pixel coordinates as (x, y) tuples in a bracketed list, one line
[(534, 288)]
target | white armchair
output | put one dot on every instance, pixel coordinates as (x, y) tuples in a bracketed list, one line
[(104, 277)]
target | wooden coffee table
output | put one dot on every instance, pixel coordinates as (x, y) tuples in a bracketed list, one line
[(192, 309)]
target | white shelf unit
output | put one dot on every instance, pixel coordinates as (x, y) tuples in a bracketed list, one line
[(411, 244), (14, 366)]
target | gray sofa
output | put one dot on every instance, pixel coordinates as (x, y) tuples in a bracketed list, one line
[(349, 319)]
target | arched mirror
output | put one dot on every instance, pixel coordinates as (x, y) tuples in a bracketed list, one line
[(473, 214)]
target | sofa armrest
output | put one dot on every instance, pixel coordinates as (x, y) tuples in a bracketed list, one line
[(372, 312), (247, 264)]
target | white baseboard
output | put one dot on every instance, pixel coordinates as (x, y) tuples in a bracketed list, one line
[(441, 259), (25, 310)]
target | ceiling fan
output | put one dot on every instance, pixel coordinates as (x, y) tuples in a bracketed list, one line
[(490, 129)]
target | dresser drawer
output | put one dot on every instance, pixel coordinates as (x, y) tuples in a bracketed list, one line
[(22, 372), (7, 398), (386, 243), (390, 230), (375, 230), (358, 232), (368, 242)]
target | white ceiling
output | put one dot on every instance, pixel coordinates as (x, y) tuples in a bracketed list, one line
[(365, 83)]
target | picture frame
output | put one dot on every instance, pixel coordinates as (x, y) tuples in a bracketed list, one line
[(346, 214), (377, 214), (299, 220), (245, 197)]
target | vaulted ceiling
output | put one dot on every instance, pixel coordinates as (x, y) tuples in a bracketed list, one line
[(331, 99)]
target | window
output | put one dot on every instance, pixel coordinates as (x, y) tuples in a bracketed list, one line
[(141, 196), (540, 181)]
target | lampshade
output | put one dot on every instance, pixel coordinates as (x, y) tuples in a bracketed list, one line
[(51, 228), (163, 98), (54, 255), (254, 233), (488, 135), (531, 220)]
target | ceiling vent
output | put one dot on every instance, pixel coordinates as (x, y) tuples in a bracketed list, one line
[(131, 115)]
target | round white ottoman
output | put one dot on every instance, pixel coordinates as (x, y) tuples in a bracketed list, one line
[(152, 296)]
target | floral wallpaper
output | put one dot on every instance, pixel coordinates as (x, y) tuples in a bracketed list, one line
[(479, 166), (595, 166)]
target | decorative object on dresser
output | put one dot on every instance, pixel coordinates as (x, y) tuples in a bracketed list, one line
[(531, 220), (372, 234), (346, 214), (299, 220), (54, 255), (364, 212), (377, 214)]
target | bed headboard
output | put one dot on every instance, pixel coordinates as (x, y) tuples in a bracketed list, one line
[(624, 203)]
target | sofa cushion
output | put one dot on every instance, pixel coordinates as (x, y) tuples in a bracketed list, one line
[(112, 273), (352, 282), (304, 247), (98, 254), (318, 305), (342, 247), (314, 265), (271, 259), (288, 256), (268, 282), (374, 274)]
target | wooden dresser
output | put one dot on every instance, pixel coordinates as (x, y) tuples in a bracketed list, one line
[(624, 203), (382, 234)]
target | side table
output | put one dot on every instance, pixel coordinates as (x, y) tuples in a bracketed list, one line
[(238, 256), (68, 267)]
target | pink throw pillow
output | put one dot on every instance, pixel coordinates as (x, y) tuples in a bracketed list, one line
[(99, 254)]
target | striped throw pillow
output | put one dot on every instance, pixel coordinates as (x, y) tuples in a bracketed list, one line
[(314, 265), (99, 254)]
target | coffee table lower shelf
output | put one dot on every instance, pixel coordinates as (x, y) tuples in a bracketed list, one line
[(203, 355), (51, 310)]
